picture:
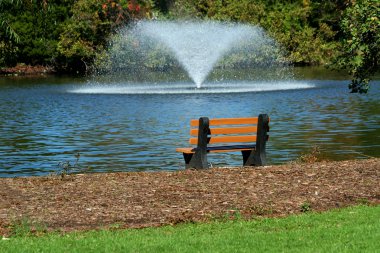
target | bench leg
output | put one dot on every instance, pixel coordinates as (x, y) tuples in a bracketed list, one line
[(257, 156), (187, 158), (253, 158), (195, 161)]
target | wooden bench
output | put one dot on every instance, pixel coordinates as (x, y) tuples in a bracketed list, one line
[(245, 135)]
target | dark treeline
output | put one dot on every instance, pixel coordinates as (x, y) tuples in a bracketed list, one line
[(70, 35), (65, 34)]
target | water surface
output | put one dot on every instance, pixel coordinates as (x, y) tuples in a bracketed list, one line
[(47, 121)]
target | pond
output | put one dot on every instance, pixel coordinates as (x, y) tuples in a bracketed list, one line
[(46, 121)]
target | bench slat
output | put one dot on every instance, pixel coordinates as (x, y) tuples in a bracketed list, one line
[(228, 130), (229, 148), (226, 121), (185, 150), (226, 139)]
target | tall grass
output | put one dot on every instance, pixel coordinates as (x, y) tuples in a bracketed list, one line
[(355, 229)]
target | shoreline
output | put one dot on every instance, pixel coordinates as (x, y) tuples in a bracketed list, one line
[(146, 199), (27, 70)]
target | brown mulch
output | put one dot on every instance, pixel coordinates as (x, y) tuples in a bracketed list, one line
[(27, 70), (141, 199)]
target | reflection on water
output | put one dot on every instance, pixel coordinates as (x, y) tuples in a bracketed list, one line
[(43, 124)]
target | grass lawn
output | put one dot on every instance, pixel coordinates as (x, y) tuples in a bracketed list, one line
[(354, 229)]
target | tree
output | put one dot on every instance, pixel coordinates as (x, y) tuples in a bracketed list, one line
[(85, 36), (302, 27), (31, 30), (8, 36), (361, 46), (7, 32)]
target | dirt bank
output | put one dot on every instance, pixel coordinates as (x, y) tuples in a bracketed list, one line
[(27, 70), (140, 199)]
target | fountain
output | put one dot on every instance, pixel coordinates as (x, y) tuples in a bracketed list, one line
[(199, 48), (198, 45)]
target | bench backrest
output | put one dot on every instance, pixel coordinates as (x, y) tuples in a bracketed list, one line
[(229, 130)]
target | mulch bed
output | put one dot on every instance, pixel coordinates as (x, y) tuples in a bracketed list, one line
[(143, 199)]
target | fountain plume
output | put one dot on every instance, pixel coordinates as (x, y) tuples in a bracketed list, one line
[(198, 47)]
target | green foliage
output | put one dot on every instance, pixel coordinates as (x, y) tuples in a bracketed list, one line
[(6, 30), (288, 24), (85, 36), (67, 34), (241, 11), (8, 50), (8, 36), (361, 47), (25, 227), (73, 35), (301, 27), (305, 207), (127, 54), (81, 35), (37, 25), (185, 9)]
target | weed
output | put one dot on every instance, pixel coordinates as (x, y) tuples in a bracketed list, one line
[(260, 210), (363, 201), (305, 207), (310, 157), (233, 214), (115, 226), (25, 227), (67, 168)]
